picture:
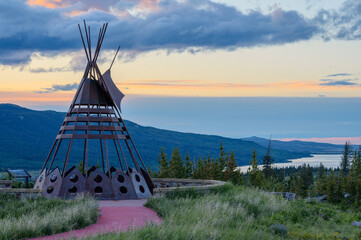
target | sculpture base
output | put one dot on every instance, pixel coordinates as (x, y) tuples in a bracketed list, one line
[(117, 185)]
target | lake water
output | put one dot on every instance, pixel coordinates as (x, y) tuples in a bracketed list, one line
[(328, 160)]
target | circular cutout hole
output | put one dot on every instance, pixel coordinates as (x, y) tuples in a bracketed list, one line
[(73, 189), (50, 189), (121, 178), (137, 178), (74, 178), (141, 188), (53, 178), (123, 190), (98, 178), (98, 190), (41, 178)]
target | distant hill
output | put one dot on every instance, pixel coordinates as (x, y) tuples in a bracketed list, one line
[(299, 146), (27, 135)]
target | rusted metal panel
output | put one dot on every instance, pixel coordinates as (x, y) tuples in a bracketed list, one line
[(40, 181), (73, 183), (91, 128), (92, 110), (122, 186), (140, 186), (89, 136), (99, 185), (113, 91), (52, 184), (91, 119)]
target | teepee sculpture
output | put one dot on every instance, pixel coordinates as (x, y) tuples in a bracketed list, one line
[(94, 115)]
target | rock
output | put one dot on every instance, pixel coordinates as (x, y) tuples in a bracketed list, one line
[(356, 224), (290, 196), (279, 229)]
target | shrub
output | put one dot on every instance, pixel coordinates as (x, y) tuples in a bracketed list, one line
[(35, 217)]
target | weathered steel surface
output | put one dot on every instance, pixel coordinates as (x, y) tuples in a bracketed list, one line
[(40, 181), (99, 185), (113, 91), (73, 183), (95, 114), (122, 186), (52, 184), (140, 186)]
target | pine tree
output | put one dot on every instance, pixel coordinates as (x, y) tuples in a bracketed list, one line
[(221, 162), (281, 175), (81, 167), (345, 159), (301, 187), (255, 175), (331, 188), (176, 166), (197, 171), (321, 171), (355, 170), (267, 163), (163, 164), (231, 166), (189, 166)]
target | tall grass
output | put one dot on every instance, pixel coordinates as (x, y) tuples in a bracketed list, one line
[(230, 212), (27, 218)]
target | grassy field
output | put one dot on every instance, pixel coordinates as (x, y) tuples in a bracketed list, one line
[(231, 212), (27, 218)]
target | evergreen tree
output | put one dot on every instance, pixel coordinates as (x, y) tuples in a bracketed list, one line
[(301, 187), (356, 164), (345, 159), (80, 167), (292, 184), (221, 162), (267, 163), (281, 175), (189, 166), (306, 175), (176, 166), (231, 166), (331, 188), (198, 172), (163, 164), (321, 171), (255, 175)]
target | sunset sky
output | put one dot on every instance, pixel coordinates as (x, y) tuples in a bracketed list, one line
[(183, 49)]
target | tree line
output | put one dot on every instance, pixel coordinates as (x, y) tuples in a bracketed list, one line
[(222, 168), (341, 185)]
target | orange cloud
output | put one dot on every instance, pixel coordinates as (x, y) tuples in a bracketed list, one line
[(46, 3)]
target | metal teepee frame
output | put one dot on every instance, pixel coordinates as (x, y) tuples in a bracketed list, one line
[(94, 114)]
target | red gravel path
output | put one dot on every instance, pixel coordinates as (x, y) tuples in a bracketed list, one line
[(115, 216)]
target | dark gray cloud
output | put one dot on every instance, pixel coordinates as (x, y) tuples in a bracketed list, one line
[(174, 25), (331, 79), (59, 87), (342, 82), (339, 74)]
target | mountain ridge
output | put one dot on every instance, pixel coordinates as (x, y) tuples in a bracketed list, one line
[(28, 135)]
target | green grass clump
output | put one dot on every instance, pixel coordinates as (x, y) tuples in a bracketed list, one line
[(36, 217), (230, 212)]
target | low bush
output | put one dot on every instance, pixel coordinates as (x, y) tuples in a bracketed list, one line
[(238, 212), (36, 217)]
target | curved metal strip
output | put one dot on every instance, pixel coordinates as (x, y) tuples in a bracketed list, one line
[(112, 89)]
